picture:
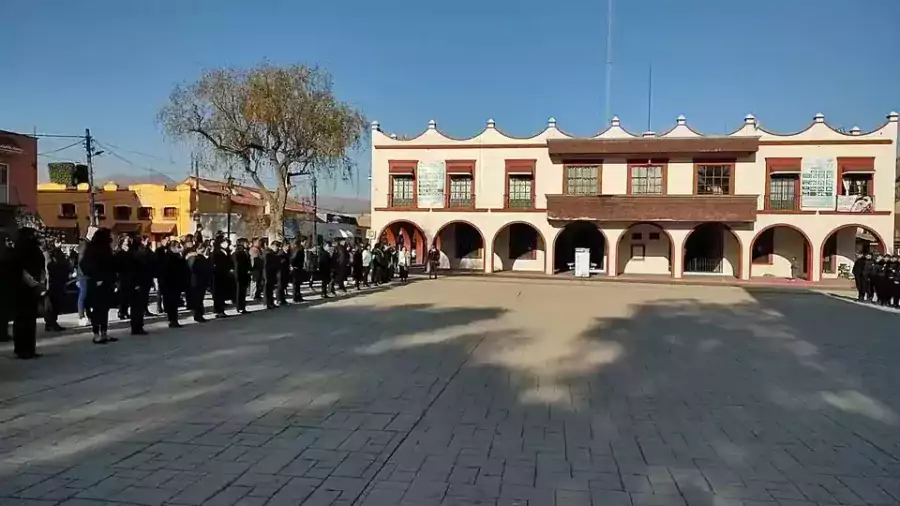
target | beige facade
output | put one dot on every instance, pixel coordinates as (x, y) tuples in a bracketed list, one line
[(675, 204)]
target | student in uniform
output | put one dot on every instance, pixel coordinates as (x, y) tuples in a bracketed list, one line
[(271, 269), (242, 262)]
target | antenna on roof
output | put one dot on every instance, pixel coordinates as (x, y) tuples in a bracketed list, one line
[(650, 99), (608, 90)]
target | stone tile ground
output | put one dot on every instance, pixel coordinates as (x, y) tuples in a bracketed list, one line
[(471, 391)]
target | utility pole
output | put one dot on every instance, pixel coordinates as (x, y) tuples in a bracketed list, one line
[(89, 153), (315, 196), (228, 225), (609, 62)]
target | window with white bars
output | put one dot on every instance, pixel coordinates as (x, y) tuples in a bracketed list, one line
[(783, 192), (4, 183), (402, 191), (461, 190), (646, 179), (714, 179), (520, 191), (582, 179)]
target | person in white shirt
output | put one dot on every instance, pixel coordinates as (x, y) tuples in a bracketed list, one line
[(366, 263), (403, 264)]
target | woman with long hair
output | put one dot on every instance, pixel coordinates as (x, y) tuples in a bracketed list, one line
[(99, 270)]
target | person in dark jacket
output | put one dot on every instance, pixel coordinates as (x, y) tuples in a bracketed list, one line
[(172, 279), (271, 269), (147, 264), (325, 269), (27, 290), (298, 274), (857, 272), (878, 274), (223, 269), (58, 272), (339, 266), (7, 278), (125, 274), (160, 258), (893, 281), (242, 265), (257, 268), (201, 274), (284, 273), (867, 271), (140, 279), (99, 268), (356, 265)]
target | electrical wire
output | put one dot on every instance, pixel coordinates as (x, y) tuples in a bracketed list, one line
[(45, 153), (139, 153), (112, 152)]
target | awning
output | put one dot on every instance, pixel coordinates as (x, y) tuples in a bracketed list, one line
[(162, 228), (566, 150), (125, 228)]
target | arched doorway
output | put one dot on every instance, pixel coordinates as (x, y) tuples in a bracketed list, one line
[(843, 243), (579, 234), (461, 245), (712, 249), (644, 248), (519, 246), (781, 251), (408, 234)]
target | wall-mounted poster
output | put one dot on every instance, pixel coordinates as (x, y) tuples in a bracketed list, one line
[(432, 177), (855, 203), (817, 176)]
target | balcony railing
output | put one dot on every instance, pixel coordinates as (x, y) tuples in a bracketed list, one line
[(782, 204), (401, 202), (520, 203), (461, 202), (703, 265)]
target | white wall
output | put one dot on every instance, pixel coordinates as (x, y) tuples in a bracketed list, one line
[(656, 251), (502, 262)]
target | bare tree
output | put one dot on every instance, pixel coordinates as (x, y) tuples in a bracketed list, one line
[(280, 121)]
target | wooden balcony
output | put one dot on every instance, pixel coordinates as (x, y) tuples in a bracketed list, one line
[(632, 208)]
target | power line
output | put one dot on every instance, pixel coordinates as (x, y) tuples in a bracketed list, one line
[(45, 153), (139, 153), (109, 150), (56, 136)]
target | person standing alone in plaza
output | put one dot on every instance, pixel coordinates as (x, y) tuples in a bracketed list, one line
[(434, 259)]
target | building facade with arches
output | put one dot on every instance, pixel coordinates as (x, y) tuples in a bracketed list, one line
[(750, 204)]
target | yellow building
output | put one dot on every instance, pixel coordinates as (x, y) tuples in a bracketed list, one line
[(156, 210)]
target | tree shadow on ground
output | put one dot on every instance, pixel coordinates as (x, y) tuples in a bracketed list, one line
[(774, 398)]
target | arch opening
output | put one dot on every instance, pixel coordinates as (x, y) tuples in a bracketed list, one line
[(712, 249), (644, 248), (579, 234), (781, 251), (408, 234), (519, 247), (841, 246), (461, 245)]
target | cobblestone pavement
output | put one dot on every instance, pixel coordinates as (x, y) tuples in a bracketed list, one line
[(471, 391)]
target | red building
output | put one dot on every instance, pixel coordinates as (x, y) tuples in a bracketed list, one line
[(18, 176)]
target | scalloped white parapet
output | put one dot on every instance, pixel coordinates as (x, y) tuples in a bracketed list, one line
[(818, 129)]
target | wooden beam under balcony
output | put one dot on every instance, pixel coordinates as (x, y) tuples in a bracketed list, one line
[(572, 150), (633, 208)]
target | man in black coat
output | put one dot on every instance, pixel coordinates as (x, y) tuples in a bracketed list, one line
[(868, 281), (298, 256), (125, 273), (172, 280), (340, 263), (257, 267), (201, 274), (147, 263), (161, 254), (242, 263), (325, 268), (271, 269), (141, 277), (284, 273), (222, 271), (58, 271), (857, 271)]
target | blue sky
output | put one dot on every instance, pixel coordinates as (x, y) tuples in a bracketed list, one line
[(110, 64)]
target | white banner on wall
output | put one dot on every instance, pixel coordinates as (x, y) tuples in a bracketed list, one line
[(855, 203), (817, 177), (431, 178)]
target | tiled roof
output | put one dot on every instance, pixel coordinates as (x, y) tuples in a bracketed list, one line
[(244, 195)]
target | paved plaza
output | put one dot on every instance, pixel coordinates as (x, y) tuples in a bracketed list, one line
[(471, 391)]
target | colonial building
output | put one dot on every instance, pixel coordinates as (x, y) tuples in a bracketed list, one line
[(157, 210), (749, 204), (18, 177)]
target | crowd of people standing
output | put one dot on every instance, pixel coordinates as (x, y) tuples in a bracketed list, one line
[(877, 279), (120, 272)]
